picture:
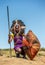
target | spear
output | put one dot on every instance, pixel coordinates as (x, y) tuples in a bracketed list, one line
[(9, 28)]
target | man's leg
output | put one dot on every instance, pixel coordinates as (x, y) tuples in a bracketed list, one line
[(18, 51), (23, 53)]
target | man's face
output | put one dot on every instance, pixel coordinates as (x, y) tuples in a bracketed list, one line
[(17, 28)]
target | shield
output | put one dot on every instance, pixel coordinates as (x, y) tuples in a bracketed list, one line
[(32, 43)]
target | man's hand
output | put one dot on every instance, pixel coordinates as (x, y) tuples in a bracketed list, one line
[(10, 38)]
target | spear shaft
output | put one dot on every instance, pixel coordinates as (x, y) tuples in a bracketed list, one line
[(9, 28)]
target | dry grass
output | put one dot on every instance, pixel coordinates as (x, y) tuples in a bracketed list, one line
[(7, 52)]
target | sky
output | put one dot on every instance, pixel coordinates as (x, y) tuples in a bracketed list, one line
[(31, 12)]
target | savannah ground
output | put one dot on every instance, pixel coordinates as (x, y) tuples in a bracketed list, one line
[(6, 60)]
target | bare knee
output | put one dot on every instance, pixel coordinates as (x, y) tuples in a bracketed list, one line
[(18, 49)]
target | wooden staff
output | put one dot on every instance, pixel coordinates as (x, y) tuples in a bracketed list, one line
[(9, 29)]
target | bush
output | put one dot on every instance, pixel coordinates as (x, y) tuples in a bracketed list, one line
[(42, 49)]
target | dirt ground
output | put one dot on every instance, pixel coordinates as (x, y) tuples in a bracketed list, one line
[(38, 60)]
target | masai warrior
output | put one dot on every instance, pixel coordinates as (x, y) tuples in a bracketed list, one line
[(18, 30), (23, 44)]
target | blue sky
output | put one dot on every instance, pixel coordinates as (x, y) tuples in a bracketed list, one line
[(31, 12)]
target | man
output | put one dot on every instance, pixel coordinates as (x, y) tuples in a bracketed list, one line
[(17, 29)]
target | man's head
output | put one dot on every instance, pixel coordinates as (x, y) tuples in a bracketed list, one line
[(17, 25)]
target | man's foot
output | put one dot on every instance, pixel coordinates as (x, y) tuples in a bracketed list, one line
[(24, 57), (17, 55)]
